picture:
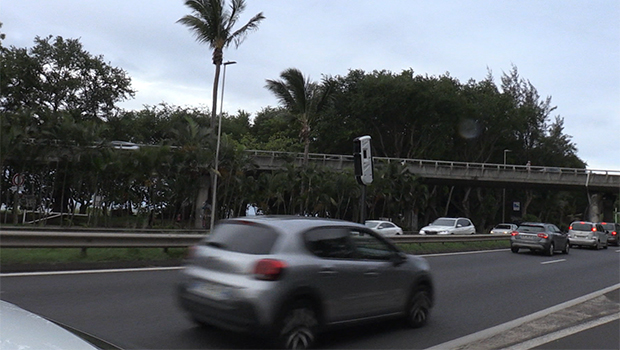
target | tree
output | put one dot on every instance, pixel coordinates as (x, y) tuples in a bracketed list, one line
[(303, 98), (213, 24)]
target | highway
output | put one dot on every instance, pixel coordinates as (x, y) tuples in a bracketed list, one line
[(136, 309)]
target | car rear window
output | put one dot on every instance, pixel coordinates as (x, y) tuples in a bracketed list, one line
[(609, 226), (248, 238), (531, 228), (578, 226)]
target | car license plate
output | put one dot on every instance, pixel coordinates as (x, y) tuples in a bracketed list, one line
[(209, 290)]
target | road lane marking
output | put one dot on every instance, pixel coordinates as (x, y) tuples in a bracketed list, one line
[(84, 272), (552, 261), (481, 339), (532, 343)]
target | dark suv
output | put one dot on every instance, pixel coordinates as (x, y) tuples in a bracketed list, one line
[(291, 277), (537, 236), (613, 230)]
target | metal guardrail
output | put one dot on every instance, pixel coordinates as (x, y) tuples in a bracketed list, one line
[(17, 238)]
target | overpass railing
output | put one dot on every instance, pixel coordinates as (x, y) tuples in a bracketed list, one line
[(329, 158)]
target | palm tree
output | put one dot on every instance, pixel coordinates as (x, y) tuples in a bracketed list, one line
[(303, 98), (213, 24)]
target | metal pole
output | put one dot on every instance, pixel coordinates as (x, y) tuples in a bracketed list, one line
[(363, 205), (504, 190), (217, 151)]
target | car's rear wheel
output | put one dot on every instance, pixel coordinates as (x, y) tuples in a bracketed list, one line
[(550, 250), (419, 308), (298, 326), (514, 249)]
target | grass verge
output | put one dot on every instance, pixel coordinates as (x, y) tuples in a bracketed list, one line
[(49, 259), (452, 247)]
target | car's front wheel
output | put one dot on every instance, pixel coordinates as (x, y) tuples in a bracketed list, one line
[(419, 308), (298, 326)]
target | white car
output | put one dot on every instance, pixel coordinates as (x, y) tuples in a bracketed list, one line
[(449, 226), (21, 329), (503, 229), (384, 228)]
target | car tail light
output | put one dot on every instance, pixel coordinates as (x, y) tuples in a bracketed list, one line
[(570, 227), (269, 269), (514, 233), (613, 233), (543, 235), (593, 228)]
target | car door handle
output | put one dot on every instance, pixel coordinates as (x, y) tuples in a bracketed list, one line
[(328, 271)]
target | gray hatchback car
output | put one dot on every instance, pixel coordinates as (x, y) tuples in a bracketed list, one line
[(291, 277)]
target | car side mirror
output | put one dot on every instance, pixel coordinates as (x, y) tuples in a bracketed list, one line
[(398, 258)]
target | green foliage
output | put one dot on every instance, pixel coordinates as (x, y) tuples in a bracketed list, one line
[(58, 118)]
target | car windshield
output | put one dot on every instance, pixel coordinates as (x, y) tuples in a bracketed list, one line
[(503, 226), (243, 237), (581, 226), (444, 222), (372, 224), (531, 228)]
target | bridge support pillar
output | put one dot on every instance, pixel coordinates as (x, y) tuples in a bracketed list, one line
[(601, 207), (595, 207)]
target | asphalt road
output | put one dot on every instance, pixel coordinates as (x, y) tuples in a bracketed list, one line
[(137, 309)]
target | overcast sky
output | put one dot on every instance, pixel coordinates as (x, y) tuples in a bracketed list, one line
[(568, 49)]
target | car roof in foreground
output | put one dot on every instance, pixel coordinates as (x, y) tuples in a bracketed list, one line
[(22, 329), (292, 223)]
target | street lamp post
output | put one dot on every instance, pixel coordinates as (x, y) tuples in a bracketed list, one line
[(504, 190), (217, 150)]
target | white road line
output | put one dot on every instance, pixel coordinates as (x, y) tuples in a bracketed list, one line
[(489, 332), (563, 333), (84, 272), (552, 261)]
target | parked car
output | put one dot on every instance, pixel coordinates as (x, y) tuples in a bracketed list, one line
[(503, 229), (384, 228), (22, 329), (291, 277), (613, 230), (449, 226), (587, 234), (542, 237)]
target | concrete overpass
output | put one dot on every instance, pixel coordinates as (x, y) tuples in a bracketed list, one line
[(595, 182)]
